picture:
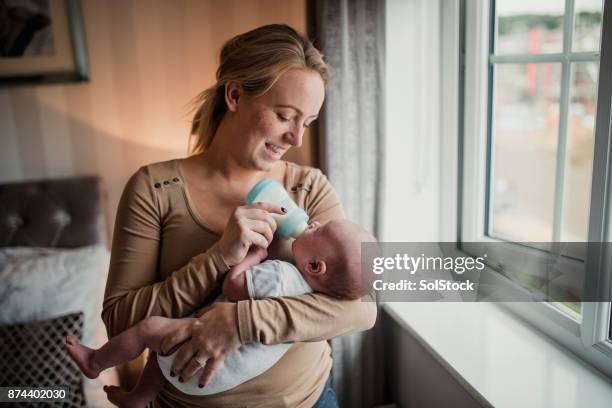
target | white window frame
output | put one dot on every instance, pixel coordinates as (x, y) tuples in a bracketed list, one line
[(586, 336)]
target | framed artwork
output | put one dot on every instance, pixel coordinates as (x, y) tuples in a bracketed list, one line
[(41, 41)]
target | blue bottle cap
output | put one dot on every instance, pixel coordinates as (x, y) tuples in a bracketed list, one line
[(257, 188)]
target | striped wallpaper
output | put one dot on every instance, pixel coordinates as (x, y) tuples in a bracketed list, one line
[(147, 59)]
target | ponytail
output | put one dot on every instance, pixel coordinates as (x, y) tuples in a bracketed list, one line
[(209, 108)]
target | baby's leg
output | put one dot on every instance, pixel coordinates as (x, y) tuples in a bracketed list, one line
[(124, 347), (149, 384)]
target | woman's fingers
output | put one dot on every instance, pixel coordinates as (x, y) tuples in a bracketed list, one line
[(262, 228), (260, 253), (255, 238), (249, 225), (197, 362), (260, 215), (269, 207), (172, 341), (209, 371), (181, 359)]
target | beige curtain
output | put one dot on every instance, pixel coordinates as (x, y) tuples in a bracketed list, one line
[(350, 139)]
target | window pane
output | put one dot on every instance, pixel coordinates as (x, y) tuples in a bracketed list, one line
[(524, 137), (587, 25), (579, 159), (528, 26)]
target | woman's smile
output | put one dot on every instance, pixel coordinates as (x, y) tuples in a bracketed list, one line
[(274, 151)]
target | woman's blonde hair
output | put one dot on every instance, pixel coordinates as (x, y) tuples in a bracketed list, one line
[(255, 59)]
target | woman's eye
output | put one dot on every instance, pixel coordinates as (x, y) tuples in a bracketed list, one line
[(282, 118)]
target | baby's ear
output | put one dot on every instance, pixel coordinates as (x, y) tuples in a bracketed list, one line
[(316, 267)]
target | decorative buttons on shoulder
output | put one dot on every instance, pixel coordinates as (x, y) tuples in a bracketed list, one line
[(165, 183)]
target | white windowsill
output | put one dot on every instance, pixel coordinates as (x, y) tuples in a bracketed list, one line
[(500, 359)]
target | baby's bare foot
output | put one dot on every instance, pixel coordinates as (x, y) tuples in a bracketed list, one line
[(82, 356), (123, 399)]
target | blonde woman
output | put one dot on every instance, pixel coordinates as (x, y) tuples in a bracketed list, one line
[(182, 224)]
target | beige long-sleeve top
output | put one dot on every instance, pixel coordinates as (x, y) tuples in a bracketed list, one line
[(164, 262)]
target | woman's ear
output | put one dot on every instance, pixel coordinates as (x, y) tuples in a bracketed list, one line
[(233, 92), (316, 267)]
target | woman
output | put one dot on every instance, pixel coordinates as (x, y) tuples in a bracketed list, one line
[(181, 224)]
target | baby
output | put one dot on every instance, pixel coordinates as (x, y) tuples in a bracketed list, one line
[(328, 260)]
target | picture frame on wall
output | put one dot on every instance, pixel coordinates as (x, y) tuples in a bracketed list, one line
[(41, 41)]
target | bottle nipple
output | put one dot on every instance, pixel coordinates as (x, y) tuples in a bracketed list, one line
[(299, 229)]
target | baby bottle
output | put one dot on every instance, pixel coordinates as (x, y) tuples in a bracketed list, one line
[(294, 222)]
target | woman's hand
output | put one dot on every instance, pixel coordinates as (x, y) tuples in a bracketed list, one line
[(249, 225), (207, 342)]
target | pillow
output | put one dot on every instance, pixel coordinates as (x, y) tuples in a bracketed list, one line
[(40, 283), (32, 355)]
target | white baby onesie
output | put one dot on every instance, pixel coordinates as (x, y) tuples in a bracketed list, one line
[(268, 279)]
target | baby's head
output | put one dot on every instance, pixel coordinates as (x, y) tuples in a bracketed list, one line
[(329, 258)]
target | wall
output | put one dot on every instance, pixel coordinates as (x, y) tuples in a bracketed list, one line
[(412, 166), (147, 60), (421, 167), (416, 378)]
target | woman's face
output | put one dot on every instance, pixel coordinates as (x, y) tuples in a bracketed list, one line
[(268, 125)]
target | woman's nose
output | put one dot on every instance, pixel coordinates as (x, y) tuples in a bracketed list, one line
[(295, 137)]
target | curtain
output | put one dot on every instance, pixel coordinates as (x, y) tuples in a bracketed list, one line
[(350, 142)]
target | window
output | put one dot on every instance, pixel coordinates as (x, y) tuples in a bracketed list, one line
[(535, 154), (544, 65)]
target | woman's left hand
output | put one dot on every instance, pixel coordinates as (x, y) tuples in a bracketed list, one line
[(205, 343)]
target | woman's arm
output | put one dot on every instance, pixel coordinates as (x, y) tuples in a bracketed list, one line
[(132, 290), (311, 317)]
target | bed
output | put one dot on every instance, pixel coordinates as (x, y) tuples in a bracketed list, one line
[(53, 264)]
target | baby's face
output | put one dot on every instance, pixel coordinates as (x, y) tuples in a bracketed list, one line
[(304, 245), (317, 239)]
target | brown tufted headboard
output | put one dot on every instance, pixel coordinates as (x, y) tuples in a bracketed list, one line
[(61, 213)]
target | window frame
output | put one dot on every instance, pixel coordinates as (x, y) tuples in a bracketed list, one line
[(588, 337)]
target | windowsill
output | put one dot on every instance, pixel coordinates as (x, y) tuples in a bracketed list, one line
[(499, 359)]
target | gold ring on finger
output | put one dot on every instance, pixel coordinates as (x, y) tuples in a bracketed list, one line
[(201, 362)]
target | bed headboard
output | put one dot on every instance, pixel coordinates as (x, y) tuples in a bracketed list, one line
[(59, 213)]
